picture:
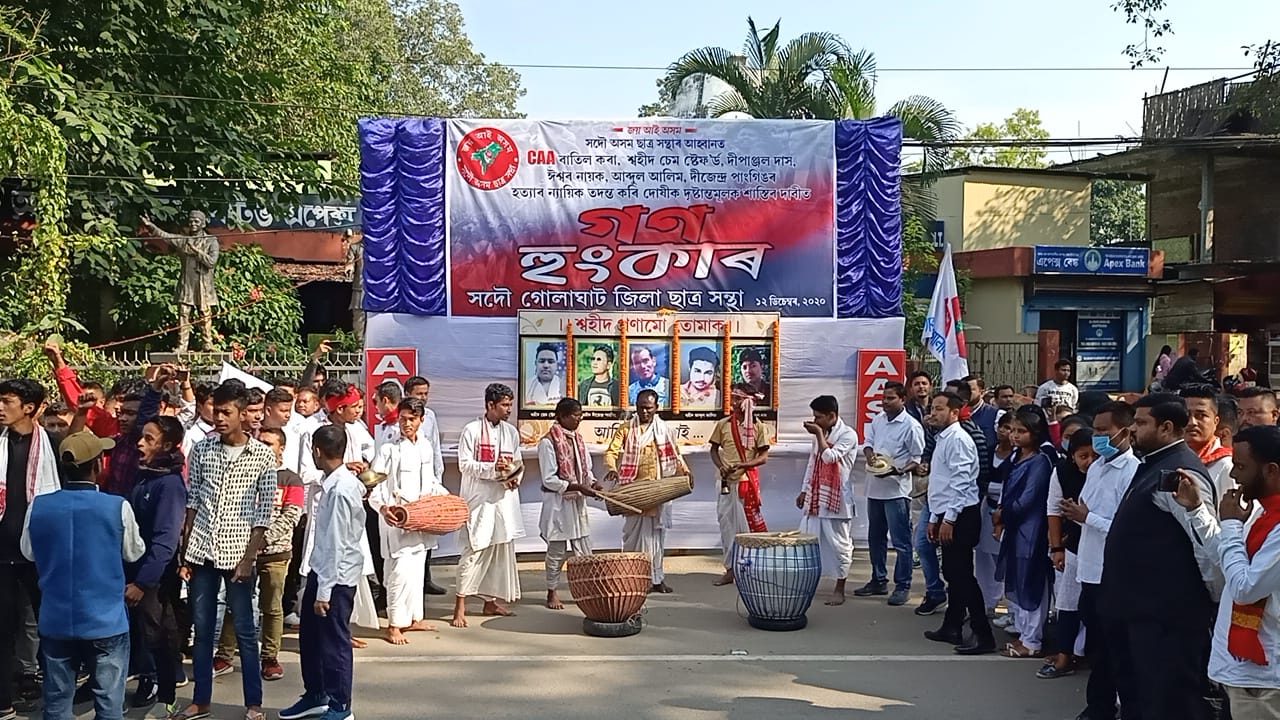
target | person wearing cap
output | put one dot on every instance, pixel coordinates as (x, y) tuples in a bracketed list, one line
[(79, 540)]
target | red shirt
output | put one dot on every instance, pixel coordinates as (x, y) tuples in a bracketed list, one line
[(99, 421)]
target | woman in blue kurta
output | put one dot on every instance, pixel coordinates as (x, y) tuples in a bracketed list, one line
[(1023, 562)]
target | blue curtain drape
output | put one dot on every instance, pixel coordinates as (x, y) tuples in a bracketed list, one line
[(869, 218)]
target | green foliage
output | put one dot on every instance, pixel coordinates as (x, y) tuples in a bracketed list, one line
[(735, 362), (666, 98), (1260, 99), (1146, 15), (23, 356), (1023, 124), (1117, 212)]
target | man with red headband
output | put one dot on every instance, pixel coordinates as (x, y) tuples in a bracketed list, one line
[(739, 445)]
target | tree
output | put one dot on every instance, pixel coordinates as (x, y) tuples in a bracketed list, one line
[(767, 80), (1023, 124), (666, 98), (1117, 212), (1146, 14)]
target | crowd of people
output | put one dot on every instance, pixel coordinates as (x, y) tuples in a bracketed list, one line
[(223, 513), (1144, 528)]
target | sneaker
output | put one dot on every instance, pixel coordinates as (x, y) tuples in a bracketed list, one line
[(145, 696), (931, 605), (222, 667), (1002, 622), (875, 587), (899, 597), (292, 620), (334, 714), (180, 678), (10, 714), (30, 687), (271, 670), (308, 706), (162, 712)]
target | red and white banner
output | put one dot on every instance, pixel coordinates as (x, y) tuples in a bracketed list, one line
[(385, 364), (875, 369), (943, 330)]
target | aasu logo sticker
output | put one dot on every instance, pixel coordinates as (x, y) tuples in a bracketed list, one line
[(488, 158), (382, 365), (875, 369)]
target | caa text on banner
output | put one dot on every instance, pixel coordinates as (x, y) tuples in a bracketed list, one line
[(697, 216), (875, 369), (381, 365)]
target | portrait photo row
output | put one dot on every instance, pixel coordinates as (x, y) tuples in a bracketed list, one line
[(692, 362)]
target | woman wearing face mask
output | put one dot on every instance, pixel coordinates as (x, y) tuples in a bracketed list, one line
[(159, 502), (1024, 546), (1064, 540)]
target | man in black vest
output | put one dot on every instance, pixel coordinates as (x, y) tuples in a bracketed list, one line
[(1153, 598)]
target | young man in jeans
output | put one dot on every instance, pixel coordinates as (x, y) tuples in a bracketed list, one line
[(77, 538), (229, 506)]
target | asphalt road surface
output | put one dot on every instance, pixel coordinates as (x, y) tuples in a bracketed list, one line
[(696, 659)]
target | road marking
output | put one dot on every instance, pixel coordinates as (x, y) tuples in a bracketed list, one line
[(673, 658)]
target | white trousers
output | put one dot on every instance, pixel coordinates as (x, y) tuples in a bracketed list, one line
[(490, 573), (1030, 623), (835, 543), (733, 522), (558, 552), (364, 612), (405, 577), (1066, 586), (984, 568), (1253, 703), (644, 533)]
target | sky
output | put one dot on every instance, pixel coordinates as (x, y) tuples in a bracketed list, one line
[(906, 36)]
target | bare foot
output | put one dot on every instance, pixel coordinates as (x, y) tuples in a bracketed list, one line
[(395, 637), (421, 626), (837, 598), (493, 607), (553, 601), (358, 644), (725, 579), (459, 621), (459, 612)]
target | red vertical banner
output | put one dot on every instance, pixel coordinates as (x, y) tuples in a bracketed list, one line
[(385, 364), (875, 369)]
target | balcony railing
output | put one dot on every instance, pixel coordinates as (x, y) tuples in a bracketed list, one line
[(1196, 111)]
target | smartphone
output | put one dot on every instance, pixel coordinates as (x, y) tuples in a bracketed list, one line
[(1169, 480)]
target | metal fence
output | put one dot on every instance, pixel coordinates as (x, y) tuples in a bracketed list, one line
[(998, 363), (207, 366)]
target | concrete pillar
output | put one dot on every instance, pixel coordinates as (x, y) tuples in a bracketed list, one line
[(1047, 354)]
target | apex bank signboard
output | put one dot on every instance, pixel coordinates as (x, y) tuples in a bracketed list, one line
[(1060, 260)]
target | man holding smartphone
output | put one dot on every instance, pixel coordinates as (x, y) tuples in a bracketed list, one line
[(1154, 599)]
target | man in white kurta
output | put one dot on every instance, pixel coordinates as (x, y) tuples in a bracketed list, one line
[(489, 459), (409, 464), (567, 480), (826, 498), (644, 450)]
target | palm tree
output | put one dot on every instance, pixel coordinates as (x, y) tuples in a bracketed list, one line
[(768, 81)]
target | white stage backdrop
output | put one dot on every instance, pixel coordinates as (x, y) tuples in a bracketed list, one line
[(819, 357)]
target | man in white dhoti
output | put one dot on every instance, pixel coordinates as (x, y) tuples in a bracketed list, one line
[(409, 463), (567, 480), (827, 495), (489, 459), (739, 445), (644, 450), (345, 408)]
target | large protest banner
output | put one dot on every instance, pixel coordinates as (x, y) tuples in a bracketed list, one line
[(699, 216)]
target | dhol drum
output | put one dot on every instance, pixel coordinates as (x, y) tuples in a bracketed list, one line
[(434, 514), (646, 495), (610, 589), (776, 574)]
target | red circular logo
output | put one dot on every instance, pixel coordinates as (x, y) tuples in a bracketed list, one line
[(488, 158)]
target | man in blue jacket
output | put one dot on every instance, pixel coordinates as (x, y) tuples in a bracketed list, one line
[(77, 538)]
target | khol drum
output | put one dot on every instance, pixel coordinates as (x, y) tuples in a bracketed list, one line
[(610, 589), (646, 495), (776, 574), (434, 514)]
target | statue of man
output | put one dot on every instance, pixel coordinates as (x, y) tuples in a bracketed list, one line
[(355, 265), (198, 251)]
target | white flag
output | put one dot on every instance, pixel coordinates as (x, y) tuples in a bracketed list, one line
[(231, 372), (943, 330)]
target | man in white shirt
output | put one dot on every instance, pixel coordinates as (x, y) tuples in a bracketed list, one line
[(1104, 486), (897, 436), (203, 425), (489, 459), (337, 566), (1058, 390), (955, 525), (547, 386), (409, 463), (1202, 436), (826, 498), (567, 480), (1244, 648), (420, 387), (387, 403)]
